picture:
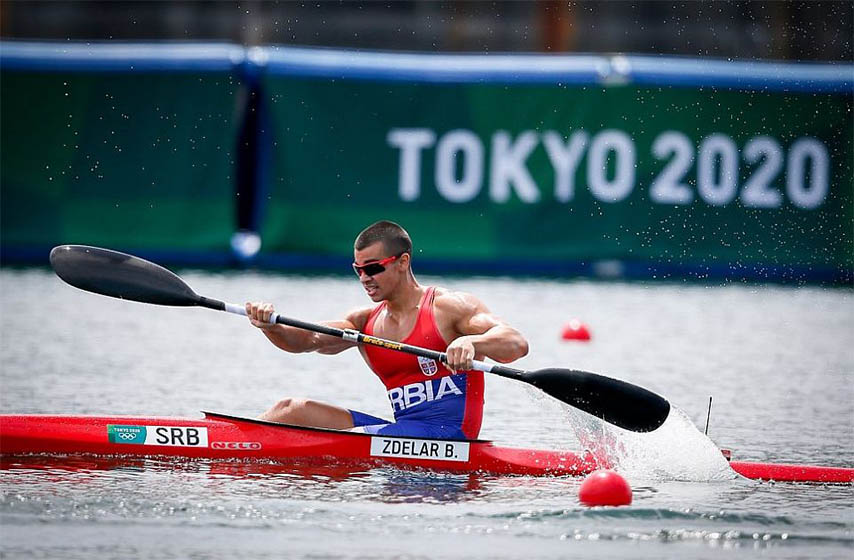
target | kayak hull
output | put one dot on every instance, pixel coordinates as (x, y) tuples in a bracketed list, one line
[(224, 437), (219, 436)]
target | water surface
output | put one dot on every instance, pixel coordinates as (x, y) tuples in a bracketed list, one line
[(777, 360)]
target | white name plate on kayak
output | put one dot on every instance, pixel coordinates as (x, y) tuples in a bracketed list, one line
[(170, 436), (432, 449)]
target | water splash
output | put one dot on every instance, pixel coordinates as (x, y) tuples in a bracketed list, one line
[(675, 451)]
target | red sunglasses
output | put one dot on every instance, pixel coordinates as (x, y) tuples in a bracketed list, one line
[(374, 268)]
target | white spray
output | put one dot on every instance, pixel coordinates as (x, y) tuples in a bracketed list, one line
[(674, 451)]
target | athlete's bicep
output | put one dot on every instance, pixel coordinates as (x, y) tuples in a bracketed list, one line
[(479, 322), (465, 314)]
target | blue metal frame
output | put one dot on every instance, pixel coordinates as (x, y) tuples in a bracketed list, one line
[(557, 69), (251, 63), (436, 68), (120, 57), (752, 76)]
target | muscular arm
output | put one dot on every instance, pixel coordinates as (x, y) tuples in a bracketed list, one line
[(475, 332), (292, 339)]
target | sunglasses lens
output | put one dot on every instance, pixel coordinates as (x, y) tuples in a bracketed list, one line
[(374, 268), (370, 269)]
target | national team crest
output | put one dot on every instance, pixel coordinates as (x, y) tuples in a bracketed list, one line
[(428, 366)]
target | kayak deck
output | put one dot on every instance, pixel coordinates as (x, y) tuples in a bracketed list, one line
[(220, 436)]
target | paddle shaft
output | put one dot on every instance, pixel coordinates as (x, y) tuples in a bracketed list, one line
[(361, 338)]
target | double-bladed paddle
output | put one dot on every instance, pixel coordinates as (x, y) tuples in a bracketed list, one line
[(124, 276)]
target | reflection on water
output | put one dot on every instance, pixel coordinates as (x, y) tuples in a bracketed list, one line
[(415, 487), (386, 485), (77, 465), (216, 497)]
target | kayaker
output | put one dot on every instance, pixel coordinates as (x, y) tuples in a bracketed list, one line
[(429, 399)]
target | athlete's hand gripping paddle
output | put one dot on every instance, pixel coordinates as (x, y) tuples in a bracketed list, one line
[(124, 276)]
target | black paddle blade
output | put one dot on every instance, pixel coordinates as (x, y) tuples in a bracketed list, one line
[(625, 405), (119, 275)]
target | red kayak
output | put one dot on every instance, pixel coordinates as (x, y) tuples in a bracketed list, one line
[(219, 436)]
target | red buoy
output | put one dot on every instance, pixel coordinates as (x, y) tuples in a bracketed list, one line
[(605, 488), (575, 330)]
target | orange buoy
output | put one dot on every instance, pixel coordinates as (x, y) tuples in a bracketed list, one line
[(605, 488), (575, 330)]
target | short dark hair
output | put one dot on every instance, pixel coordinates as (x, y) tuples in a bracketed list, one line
[(394, 238)]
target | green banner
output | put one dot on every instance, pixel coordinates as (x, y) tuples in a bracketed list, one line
[(132, 160), (681, 176)]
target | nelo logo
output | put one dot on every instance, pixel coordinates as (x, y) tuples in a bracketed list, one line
[(253, 445)]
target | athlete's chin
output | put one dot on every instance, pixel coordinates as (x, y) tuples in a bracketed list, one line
[(374, 294)]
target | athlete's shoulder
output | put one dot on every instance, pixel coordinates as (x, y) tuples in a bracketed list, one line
[(358, 317), (456, 303)]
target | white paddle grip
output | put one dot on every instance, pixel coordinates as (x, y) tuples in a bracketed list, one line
[(241, 310), (481, 366), (236, 309)]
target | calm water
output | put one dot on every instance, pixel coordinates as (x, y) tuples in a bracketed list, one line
[(778, 361)]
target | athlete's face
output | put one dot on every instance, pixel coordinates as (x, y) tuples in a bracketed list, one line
[(378, 272)]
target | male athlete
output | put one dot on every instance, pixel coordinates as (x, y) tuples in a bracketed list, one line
[(429, 399)]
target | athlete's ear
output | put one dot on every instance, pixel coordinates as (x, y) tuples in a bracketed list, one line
[(405, 260)]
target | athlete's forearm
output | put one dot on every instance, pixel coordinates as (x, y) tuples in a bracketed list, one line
[(291, 339), (296, 341), (501, 343)]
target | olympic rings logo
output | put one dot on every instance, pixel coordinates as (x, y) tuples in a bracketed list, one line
[(126, 435)]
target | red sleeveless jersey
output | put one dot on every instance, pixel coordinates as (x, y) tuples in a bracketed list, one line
[(424, 390)]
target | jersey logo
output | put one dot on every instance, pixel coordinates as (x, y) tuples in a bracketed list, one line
[(428, 366), (414, 394)]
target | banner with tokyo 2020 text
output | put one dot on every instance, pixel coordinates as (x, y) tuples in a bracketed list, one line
[(682, 176)]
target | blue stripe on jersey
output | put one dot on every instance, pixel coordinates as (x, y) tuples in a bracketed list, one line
[(432, 408)]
